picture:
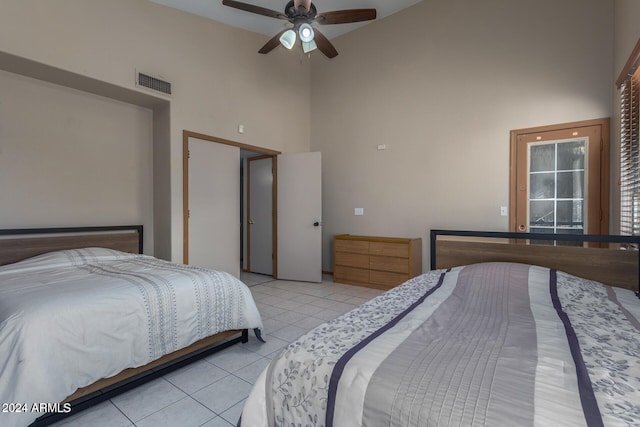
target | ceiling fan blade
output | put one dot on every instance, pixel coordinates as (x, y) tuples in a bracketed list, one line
[(273, 43), (324, 45), (255, 9), (305, 3), (346, 16)]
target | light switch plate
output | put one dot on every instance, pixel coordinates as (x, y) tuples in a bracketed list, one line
[(358, 211), (504, 211)]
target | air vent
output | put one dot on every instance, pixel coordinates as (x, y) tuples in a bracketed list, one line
[(153, 83)]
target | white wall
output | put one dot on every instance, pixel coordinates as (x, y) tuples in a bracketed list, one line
[(218, 78), (72, 158), (441, 84)]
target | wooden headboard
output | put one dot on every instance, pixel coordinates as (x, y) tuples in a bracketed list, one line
[(607, 264), (23, 243)]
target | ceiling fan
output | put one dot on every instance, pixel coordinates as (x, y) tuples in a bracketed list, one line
[(302, 13)]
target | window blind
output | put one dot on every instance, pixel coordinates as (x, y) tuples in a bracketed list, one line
[(629, 85), (629, 157)]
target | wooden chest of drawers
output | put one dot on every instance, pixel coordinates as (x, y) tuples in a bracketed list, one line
[(376, 262)]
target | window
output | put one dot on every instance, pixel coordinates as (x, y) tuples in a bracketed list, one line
[(556, 186), (629, 85)]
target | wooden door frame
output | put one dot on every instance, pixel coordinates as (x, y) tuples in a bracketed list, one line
[(186, 134), (605, 166)]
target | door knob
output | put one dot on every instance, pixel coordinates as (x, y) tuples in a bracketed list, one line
[(315, 224), (250, 221), (522, 227)]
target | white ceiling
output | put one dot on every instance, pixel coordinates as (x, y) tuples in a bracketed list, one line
[(214, 9)]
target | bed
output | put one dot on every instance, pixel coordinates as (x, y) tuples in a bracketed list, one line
[(84, 315), (495, 334)]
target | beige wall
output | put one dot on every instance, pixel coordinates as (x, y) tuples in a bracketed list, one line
[(72, 158), (627, 32), (219, 80), (441, 84)]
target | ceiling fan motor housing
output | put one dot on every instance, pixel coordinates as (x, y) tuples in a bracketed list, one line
[(300, 13)]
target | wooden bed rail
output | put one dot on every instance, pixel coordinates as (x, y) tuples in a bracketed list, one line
[(610, 265)]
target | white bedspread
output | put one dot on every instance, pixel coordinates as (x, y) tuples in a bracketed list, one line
[(70, 318)]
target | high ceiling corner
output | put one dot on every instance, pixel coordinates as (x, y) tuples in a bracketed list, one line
[(213, 9)]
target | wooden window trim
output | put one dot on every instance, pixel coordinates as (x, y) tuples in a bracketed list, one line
[(630, 67)]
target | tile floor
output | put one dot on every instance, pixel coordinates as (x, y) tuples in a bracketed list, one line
[(212, 391)]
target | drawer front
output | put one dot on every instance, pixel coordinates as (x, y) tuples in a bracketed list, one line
[(386, 263), (351, 246), (350, 274), (387, 278), (389, 249), (352, 260)]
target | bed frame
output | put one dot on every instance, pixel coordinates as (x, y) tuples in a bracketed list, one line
[(129, 238), (37, 241), (598, 257)]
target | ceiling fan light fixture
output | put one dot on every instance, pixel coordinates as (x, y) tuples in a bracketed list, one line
[(288, 39), (309, 46), (306, 33)]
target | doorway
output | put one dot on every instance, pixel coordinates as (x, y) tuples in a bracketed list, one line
[(259, 218), (210, 188), (212, 181), (559, 179)]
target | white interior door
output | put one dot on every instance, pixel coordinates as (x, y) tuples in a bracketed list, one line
[(214, 203), (260, 213), (299, 178)]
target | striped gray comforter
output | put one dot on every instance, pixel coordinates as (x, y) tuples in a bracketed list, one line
[(493, 344)]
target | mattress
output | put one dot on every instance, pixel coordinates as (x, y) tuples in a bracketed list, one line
[(491, 344), (70, 318)]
